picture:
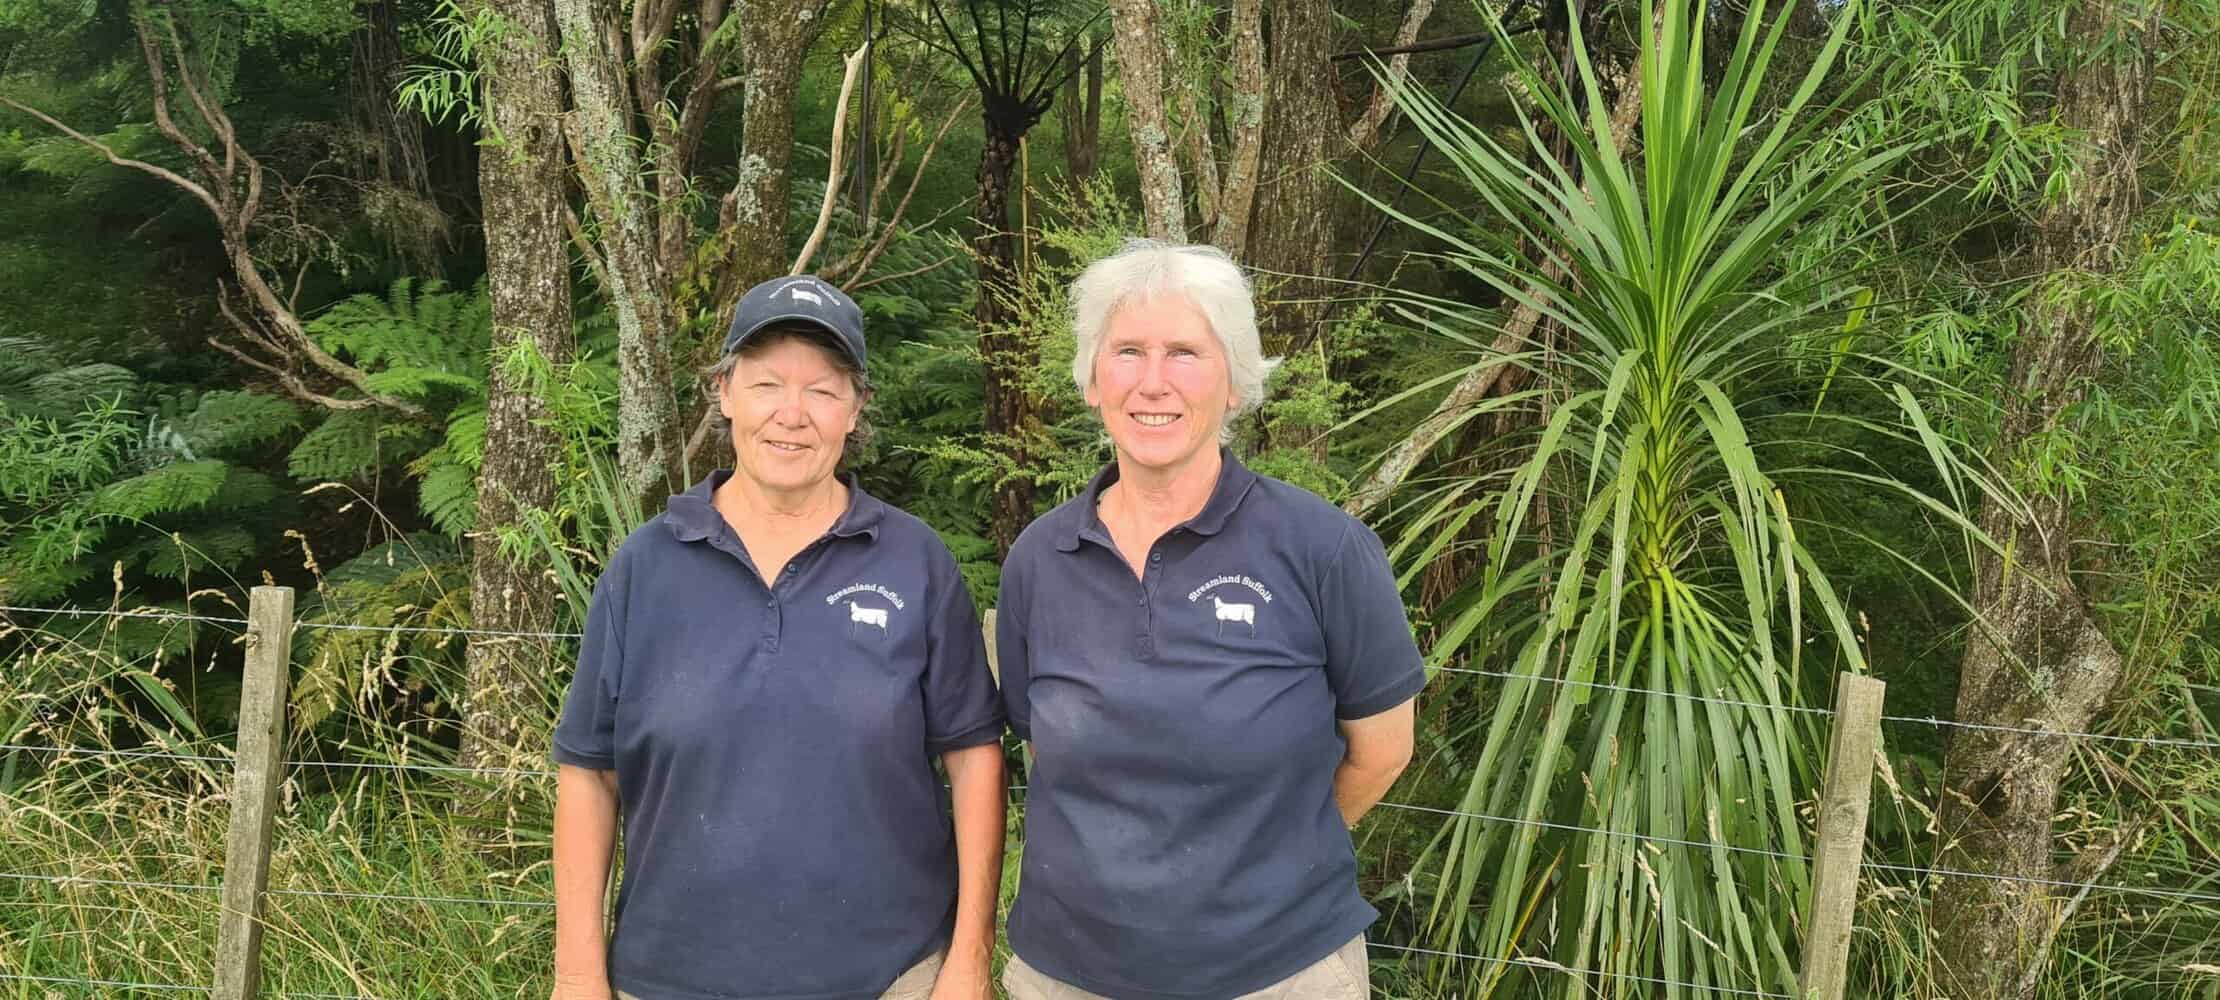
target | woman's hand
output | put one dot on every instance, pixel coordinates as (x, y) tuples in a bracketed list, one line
[(584, 988), (963, 978)]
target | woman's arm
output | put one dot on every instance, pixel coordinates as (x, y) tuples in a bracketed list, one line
[(976, 791), (1379, 747), (585, 842)]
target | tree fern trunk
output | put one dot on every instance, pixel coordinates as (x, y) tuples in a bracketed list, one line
[(1008, 355)]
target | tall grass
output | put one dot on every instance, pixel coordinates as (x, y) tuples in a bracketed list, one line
[(108, 854)]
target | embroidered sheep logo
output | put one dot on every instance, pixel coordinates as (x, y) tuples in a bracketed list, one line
[(805, 295), (1243, 613), (860, 615)]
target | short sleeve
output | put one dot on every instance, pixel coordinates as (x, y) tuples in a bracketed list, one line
[(585, 736), (1011, 653), (1371, 663), (961, 709)]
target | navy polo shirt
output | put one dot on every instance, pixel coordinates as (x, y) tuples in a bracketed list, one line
[(1181, 835), (785, 835)]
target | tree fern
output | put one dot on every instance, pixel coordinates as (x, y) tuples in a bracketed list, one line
[(418, 340)]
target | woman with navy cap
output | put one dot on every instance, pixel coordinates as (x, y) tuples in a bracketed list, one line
[(770, 668), (1212, 668)]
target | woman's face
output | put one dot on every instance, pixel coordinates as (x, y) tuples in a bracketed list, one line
[(1161, 383), (791, 409)]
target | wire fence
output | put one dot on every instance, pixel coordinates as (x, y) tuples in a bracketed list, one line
[(68, 881)]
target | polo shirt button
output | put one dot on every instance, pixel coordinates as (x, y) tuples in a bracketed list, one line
[(1156, 557)]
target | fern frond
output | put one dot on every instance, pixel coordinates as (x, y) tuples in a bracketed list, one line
[(344, 446), (174, 487), (449, 496), (228, 420)]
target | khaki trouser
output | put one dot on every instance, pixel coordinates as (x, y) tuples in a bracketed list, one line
[(1339, 976), (916, 984)]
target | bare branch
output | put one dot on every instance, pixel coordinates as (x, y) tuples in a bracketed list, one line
[(1409, 48), (854, 67), (1364, 133), (861, 285), (870, 256), (585, 248), (167, 125), (700, 436), (182, 182), (293, 384), (210, 114)]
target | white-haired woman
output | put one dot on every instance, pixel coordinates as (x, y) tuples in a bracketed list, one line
[(1212, 668)]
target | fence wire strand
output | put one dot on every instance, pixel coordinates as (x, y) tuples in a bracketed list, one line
[(1571, 828), (2181, 894), (434, 629), (383, 897), (116, 983), (66, 881), (1600, 686), (118, 754), (108, 613), (2159, 741), (1545, 965), (162, 987)]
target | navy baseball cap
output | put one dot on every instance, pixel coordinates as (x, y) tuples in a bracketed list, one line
[(801, 298)]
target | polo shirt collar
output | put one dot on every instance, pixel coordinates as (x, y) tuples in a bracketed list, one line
[(693, 516), (1234, 480)]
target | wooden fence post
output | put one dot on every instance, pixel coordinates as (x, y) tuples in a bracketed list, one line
[(256, 776), (1841, 841)]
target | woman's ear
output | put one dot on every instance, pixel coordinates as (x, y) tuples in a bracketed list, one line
[(717, 384)]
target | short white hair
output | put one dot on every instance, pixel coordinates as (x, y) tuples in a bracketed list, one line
[(1144, 270)]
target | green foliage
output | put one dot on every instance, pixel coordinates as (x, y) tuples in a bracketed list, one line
[(230, 421), (344, 446), (419, 342), (181, 486), (353, 677), (1669, 560)]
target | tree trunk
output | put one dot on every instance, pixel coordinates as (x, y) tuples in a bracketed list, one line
[(753, 238), (649, 462), (1244, 110), (1083, 115), (1292, 225), (1141, 64), (528, 276), (2038, 660), (1007, 354)]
